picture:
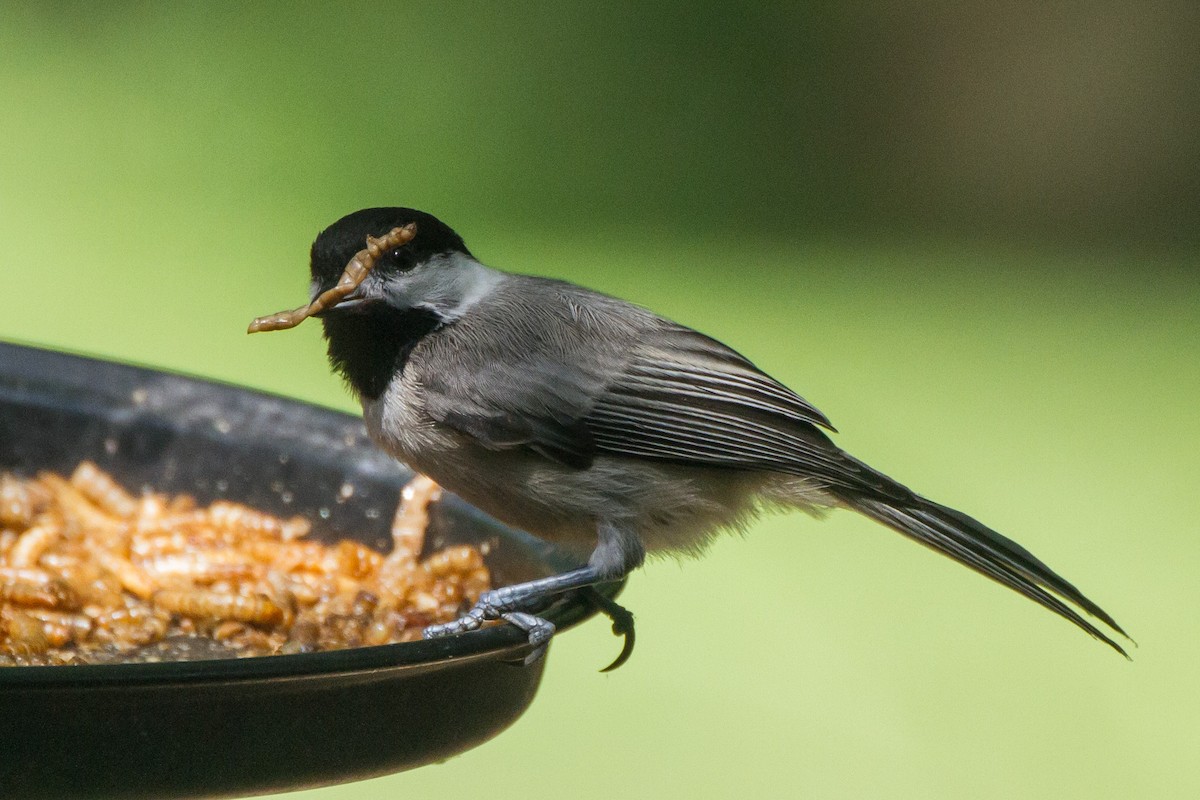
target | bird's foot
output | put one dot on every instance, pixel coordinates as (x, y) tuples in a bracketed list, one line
[(509, 603), (501, 604)]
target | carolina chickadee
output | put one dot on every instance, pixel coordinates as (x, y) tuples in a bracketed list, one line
[(598, 425)]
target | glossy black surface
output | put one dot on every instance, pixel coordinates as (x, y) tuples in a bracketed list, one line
[(249, 726)]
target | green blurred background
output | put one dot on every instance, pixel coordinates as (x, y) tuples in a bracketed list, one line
[(968, 232)]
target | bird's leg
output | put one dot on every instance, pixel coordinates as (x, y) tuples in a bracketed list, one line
[(619, 550)]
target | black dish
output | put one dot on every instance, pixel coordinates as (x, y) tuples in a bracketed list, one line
[(257, 725)]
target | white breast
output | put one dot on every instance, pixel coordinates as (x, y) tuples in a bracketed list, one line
[(396, 424)]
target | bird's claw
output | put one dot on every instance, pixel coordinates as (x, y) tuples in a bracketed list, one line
[(622, 623)]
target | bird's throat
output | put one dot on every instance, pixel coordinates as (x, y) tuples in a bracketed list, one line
[(369, 347)]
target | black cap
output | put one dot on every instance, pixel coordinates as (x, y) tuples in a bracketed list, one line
[(338, 243)]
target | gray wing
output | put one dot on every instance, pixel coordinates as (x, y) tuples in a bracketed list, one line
[(687, 398), (595, 375), (523, 369), (526, 400)]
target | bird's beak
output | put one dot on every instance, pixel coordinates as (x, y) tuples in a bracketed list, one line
[(354, 302)]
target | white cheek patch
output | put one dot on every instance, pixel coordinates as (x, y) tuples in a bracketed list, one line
[(446, 285)]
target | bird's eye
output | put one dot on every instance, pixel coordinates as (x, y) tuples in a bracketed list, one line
[(399, 259)]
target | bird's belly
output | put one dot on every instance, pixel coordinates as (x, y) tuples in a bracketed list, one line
[(671, 507), (507, 484)]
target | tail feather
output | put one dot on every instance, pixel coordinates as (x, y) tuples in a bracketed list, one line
[(977, 546)]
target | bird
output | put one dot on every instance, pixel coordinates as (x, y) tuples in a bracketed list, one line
[(594, 423)]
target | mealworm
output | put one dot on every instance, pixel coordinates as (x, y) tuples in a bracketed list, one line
[(412, 518), (460, 559), (244, 519), (61, 628), (132, 577), (101, 489), (355, 273), (29, 587), (134, 626), (196, 603), (20, 501), (206, 566), (87, 570), (24, 633), (32, 543)]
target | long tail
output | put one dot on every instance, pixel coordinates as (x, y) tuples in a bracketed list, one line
[(977, 546)]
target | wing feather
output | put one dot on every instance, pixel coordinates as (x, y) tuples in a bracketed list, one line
[(576, 389)]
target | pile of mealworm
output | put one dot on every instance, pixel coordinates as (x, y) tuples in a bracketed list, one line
[(90, 573)]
